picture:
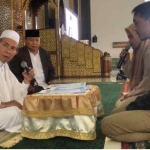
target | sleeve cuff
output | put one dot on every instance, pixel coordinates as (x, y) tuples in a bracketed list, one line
[(25, 88)]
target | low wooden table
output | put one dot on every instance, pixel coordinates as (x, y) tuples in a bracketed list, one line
[(70, 115)]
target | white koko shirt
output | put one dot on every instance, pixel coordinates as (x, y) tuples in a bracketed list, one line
[(38, 69)]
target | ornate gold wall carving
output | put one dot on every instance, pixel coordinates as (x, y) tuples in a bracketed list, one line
[(81, 52), (48, 39), (73, 50), (21, 42), (88, 57), (65, 47), (48, 42), (17, 19), (17, 14), (25, 4), (72, 69), (58, 47), (54, 62), (96, 61), (41, 18), (83, 61), (11, 16), (5, 17)]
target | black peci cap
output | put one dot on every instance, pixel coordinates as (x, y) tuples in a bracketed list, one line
[(32, 33)]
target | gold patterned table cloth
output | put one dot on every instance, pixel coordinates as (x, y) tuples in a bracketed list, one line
[(70, 115)]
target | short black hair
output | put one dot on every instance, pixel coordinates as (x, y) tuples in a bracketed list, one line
[(143, 10)]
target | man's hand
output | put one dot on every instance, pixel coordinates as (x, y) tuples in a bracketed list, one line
[(11, 103), (123, 53), (51, 82), (30, 89), (28, 76), (124, 97)]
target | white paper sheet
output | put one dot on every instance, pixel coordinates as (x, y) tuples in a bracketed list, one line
[(70, 88)]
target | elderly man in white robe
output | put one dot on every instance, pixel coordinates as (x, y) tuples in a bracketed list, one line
[(12, 92)]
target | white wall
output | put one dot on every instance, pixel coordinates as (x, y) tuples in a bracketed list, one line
[(109, 18)]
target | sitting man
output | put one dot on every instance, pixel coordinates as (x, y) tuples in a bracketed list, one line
[(12, 92), (36, 58)]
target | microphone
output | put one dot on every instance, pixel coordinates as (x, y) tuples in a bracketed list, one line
[(25, 66), (127, 47)]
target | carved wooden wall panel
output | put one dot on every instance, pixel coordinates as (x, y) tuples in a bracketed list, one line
[(73, 50), (72, 69), (5, 17), (81, 61), (17, 14), (65, 47), (17, 19), (96, 61), (81, 52), (54, 62), (88, 57), (48, 42), (48, 39), (11, 16), (41, 18), (21, 42)]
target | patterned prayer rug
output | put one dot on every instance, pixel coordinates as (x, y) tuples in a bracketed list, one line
[(136, 145), (8, 139)]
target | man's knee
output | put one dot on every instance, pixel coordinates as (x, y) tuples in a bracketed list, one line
[(10, 117), (106, 125), (115, 110), (15, 112)]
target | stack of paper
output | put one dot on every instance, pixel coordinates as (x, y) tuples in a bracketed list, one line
[(70, 88)]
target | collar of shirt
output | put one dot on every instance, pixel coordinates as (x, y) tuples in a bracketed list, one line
[(1, 64), (32, 53)]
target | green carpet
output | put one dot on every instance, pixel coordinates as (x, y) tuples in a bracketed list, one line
[(110, 93)]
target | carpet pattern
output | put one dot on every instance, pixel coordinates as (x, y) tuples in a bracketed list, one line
[(110, 93), (8, 140)]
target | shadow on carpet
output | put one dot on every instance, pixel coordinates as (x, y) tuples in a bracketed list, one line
[(109, 92)]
